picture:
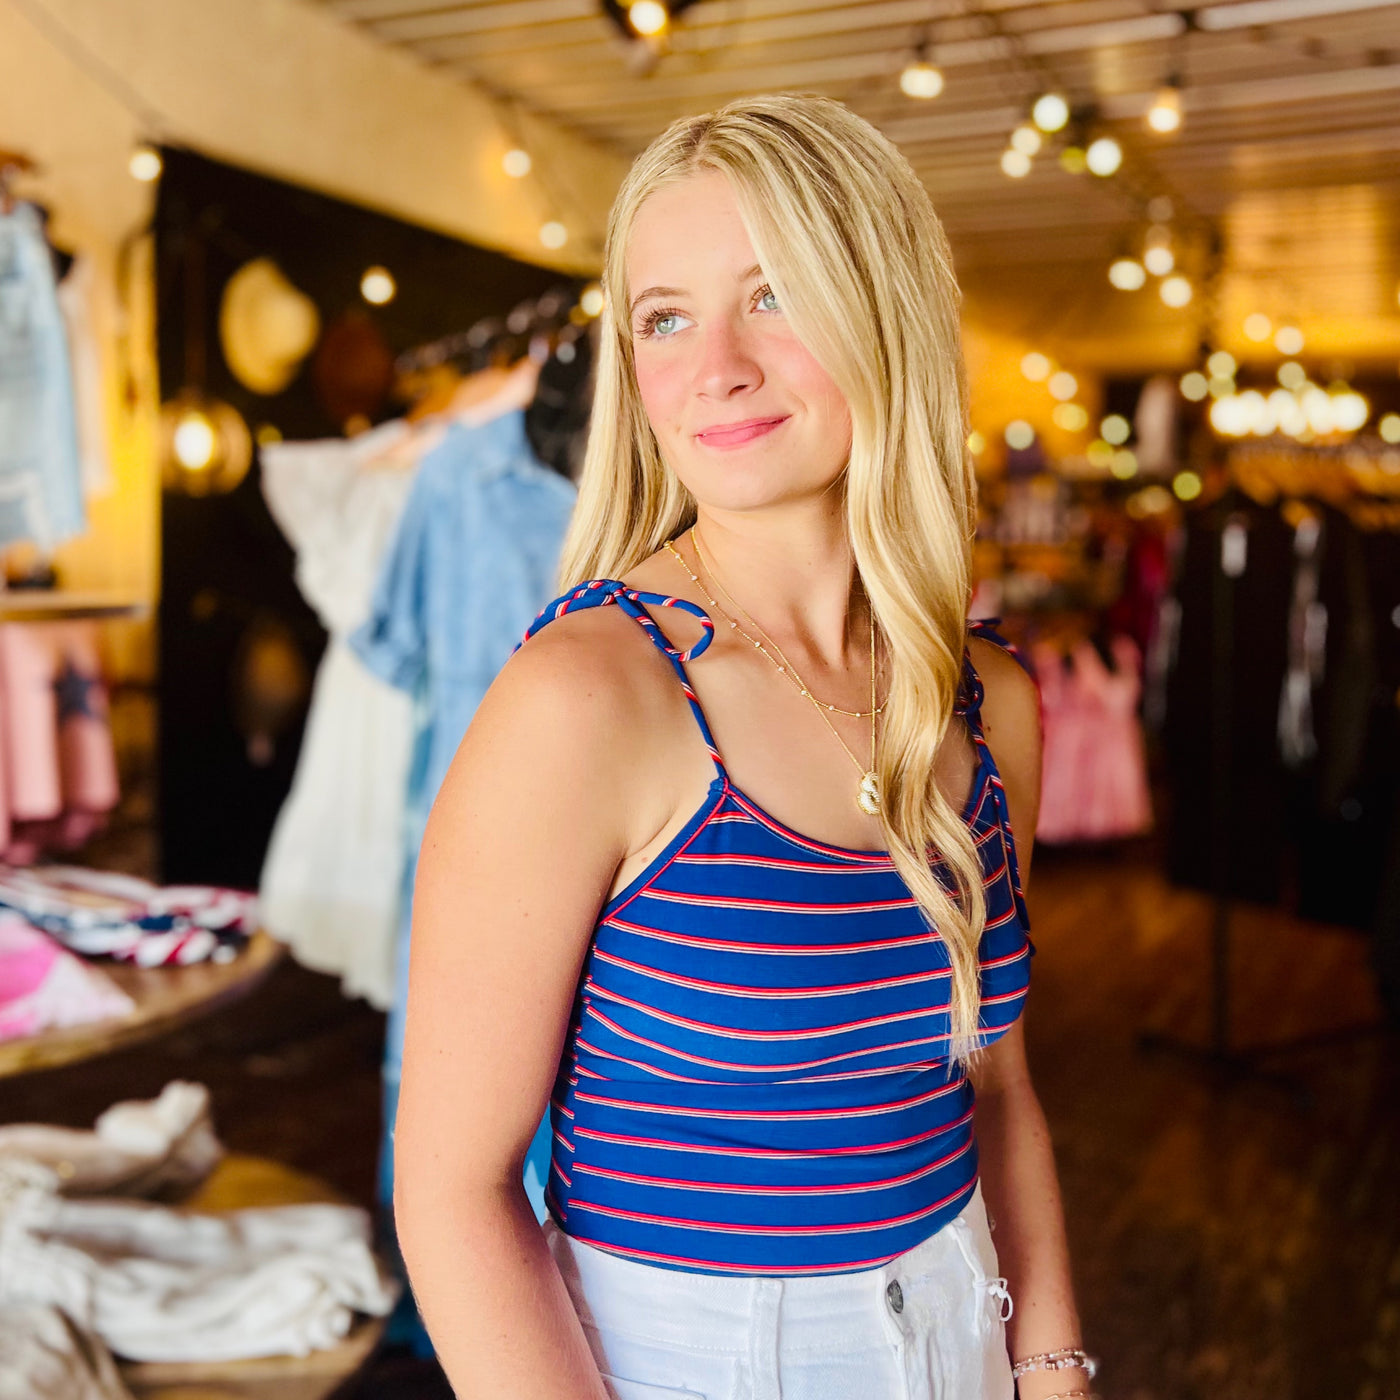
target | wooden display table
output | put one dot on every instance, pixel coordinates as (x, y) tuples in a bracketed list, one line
[(236, 1183), (165, 997)]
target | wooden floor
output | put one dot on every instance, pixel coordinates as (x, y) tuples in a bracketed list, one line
[(1233, 1240)]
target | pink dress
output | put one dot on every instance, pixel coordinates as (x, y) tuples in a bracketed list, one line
[(1094, 775), (56, 753)]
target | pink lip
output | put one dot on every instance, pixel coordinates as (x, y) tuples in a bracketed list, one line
[(737, 434)]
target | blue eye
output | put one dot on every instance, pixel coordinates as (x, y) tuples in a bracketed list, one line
[(661, 324), (767, 300)]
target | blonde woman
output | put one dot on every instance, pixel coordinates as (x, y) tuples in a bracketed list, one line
[(724, 872)]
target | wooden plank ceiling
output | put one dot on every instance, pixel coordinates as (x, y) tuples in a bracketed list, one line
[(1287, 162)]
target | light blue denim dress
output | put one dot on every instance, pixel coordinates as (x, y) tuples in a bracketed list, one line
[(473, 562), (40, 467)]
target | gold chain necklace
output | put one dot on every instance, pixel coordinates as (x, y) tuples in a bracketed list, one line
[(868, 794)]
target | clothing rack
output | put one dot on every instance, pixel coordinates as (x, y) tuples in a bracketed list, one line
[(1219, 1054), (493, 338)]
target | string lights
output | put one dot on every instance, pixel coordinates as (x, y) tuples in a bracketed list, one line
[(1164, 115)]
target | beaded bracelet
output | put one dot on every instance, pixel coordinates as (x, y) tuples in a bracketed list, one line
[(1067, 1358)]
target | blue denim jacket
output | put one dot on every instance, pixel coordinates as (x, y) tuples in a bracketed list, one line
[(40, 472)]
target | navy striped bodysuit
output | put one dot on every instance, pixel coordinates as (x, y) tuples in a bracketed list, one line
[(755, 1079)]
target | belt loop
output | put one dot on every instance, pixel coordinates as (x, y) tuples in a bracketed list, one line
[(763, 1338)]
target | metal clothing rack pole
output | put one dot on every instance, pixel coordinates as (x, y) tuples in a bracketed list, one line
[(1219, 1055)]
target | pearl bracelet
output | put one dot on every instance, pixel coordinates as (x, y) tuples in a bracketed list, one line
[(1066, 1359)]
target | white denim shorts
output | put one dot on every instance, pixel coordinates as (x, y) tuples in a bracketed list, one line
[(929, 1325)]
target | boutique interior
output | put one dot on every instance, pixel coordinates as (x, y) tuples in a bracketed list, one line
[(298, 315)]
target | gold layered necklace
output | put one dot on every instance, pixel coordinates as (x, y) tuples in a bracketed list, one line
[(868, 793)]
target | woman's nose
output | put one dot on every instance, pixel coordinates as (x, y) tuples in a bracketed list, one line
[(727, 364)]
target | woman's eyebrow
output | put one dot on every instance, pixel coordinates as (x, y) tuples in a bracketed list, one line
[(746, 276), (656, 292)]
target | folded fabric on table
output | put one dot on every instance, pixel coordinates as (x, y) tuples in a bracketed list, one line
[(158, 1284), (43, 1356), (101, 914), (140, 1147), (44, 987)]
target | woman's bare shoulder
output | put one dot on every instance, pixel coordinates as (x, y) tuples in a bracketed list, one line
[(1010, 716)]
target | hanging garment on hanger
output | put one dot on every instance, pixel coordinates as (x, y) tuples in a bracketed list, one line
[(334, 867), (1094, 785), (472, 563), (40, 474), (44, 987), (85, 304), (56, 747)]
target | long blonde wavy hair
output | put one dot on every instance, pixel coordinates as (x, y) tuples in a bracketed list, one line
[(848, 240)]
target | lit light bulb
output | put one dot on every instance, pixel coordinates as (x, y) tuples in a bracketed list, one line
[(1390, 428), (1159, 260), (1186, 485), (1124, 464), (1104, 156), (1063, 385), (1218, 385), (553, 234), (1258, 327), (1050, 112), (1288, 340), (1164, 115), (1127, 274), (377, 286), (194, 441), (1115, 429), (1036, 366), (921, 79), (1099, 453), (1194, 386), (1176, 292), (648, 17), (1350, 411), (591, 300), (1222, 365), (1026, 139), (1019, 434), (976, 443), (145, 164), (1073, 160), (1292, 375), (1016, 164), (517, 163), (1072, 417)]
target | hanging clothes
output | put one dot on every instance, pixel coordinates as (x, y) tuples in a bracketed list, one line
[(85, 304), (40, 472), (56, 751), (1094, 773), (472, 563), (1222, 699), (332, 876)]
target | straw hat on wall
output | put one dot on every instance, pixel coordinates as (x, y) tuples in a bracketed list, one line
[(267, 327)]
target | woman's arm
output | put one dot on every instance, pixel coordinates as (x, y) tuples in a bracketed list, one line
[(519, 854), (1019, 1182)]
